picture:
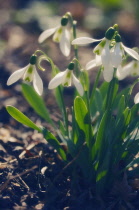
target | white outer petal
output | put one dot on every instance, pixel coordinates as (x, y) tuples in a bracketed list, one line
[(47, 33), (98, 60), (91, 64), (78, 85), (136, 98), (57, 80), (105, 55), (131, 52), (37, 82), (123, 72), (108, 73), (84, 40), (17, 75), (116, 55), (65, 44)]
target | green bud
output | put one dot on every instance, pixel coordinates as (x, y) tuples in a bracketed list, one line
[(115, 27), (71, 66), (33, 59), (118, 38), (64, 21), (110, 33)]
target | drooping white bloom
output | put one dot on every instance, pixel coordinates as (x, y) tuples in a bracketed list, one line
[(29, 74), (65, 78), (61, 34), (102, 51), (118, 52)]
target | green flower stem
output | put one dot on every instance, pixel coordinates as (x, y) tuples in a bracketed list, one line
[(74, 36), (95, 85), (109, 99), (64, 112)]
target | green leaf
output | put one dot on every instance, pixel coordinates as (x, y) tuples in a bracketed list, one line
[(52, 140), (36, 102), (20, 117), (101, 133), (81, 116)]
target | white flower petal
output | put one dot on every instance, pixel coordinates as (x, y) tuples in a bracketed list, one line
[(65, 44), (116, 55), (78, 85), (84, 40), (108, 73), (17, 75), (47, 33), (123, 72), (98, 60), (136, 98), (131, 52), (105, 55), (37, 82), (91, 64), (57, 80)]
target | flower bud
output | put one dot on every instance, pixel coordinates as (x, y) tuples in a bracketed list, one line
[(71, 66), (110, 33), (33, 59), (64, 21), (118, 38)]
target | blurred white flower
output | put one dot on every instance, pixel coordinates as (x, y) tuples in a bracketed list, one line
[(29, 74), (62, 35), (66, 78), (131, 68)]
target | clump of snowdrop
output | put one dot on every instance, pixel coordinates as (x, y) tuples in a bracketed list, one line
[(66, 78), (29, 74), (109, 52), (61, 34)]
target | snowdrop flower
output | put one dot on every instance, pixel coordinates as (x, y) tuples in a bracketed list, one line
[(66, 78), (117, 53), (131, 68), (62, 35), (103, 56), (29, 74)]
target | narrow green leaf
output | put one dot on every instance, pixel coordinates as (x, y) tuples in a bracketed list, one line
[(81, 116), (101, 132), (52, 140), (36, 102), (20, 117)]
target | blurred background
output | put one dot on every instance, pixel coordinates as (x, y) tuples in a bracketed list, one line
[(21, 22)]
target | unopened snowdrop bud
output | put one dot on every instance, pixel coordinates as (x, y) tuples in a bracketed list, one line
[(64, 21), (110, 33)]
